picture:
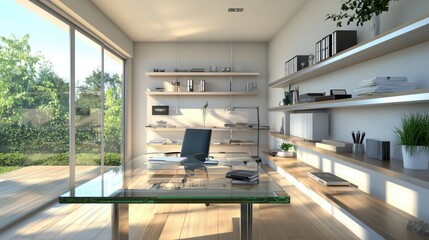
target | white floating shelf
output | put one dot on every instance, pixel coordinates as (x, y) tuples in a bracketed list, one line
[(404, 36)]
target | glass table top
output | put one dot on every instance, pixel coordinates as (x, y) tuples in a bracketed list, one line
[(189, 181)]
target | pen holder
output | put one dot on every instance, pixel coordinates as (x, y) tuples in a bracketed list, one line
[(358, 148)]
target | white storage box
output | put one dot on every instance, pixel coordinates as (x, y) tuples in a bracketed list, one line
[(310, 126)]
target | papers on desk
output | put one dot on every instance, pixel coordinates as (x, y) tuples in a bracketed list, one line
[(211, 162), (166, 159)]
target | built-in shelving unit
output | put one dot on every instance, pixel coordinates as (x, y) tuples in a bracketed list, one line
[(211, 145), (392, 168), (398, 38), (415, 96), (220, 129), (216, 76), (201, 93), (201, 74)]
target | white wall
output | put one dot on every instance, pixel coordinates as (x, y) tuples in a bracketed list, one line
[(299, 36), (250, 57)]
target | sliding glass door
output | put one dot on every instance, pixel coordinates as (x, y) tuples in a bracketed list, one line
[(61, 105)]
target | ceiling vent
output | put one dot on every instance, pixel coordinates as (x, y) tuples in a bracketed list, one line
[(235, 9)]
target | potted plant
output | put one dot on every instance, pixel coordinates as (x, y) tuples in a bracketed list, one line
[(413, 136), (286, 150), (361, 11)]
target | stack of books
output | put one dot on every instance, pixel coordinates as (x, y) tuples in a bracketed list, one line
[(335, 146), (383, 85), (243, 177)]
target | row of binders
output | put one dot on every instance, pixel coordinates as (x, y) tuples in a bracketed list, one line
[(383, 85), (243, 177)]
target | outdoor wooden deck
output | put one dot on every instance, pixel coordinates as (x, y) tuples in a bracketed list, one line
[(302, 219), (30, 188)]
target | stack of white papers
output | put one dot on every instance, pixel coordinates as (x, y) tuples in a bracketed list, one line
[(167, 159), (383, 85)]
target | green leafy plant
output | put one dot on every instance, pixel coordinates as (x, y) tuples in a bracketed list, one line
[(112, 159), (12, 159), (287, 147), (414, 131), (359, 11)]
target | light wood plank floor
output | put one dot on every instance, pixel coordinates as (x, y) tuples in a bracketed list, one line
[(29, 188), (302, 219)]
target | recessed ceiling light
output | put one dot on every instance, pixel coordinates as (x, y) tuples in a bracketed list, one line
[(235, 9)]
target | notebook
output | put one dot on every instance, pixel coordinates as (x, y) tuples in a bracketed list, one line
[(328, 179)]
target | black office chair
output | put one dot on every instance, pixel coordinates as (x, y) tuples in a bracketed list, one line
[(196, 142)]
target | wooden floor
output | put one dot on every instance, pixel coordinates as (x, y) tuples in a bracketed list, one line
[(302, 219), (29, 188)]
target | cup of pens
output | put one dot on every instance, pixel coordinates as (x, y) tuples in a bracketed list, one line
[(358, 146)]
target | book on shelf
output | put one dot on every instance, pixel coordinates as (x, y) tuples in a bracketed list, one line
[(328, 179), (387, 84), (335, 146)]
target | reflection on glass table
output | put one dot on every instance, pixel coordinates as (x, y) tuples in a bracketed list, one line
[(190, 181)]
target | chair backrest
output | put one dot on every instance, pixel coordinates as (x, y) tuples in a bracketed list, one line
[(196, 141)]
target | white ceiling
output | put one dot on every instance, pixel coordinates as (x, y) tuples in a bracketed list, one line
[(199, 20)]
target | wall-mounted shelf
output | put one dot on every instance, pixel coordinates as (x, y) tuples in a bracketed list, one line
[(211, 145), (217, 129), (201, 93), (415, 96), (391, 168), (398, 38), (201, 74)]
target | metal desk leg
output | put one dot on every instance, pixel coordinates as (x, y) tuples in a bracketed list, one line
[(246, 221), (120, 221)]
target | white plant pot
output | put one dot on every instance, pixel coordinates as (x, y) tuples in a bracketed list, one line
[(285, 154), (418, 160)]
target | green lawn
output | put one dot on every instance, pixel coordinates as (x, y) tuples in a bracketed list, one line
[(10, 162), (7, 169)]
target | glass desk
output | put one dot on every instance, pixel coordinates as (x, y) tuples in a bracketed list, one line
[(188, 182)]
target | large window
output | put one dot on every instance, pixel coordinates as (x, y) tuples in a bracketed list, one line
[(35, 109)]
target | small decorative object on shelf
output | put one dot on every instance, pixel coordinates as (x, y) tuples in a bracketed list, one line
[(190, 85), (413, 135), (296, 63), (309, 97), (295, 95), (335, 94), (213, 68), (161, 124), (197, 70), (204, 111), (286, 150), (378, 149), (202, 85), (334, 43), (226, 69), (160, 110), (288, 96)]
